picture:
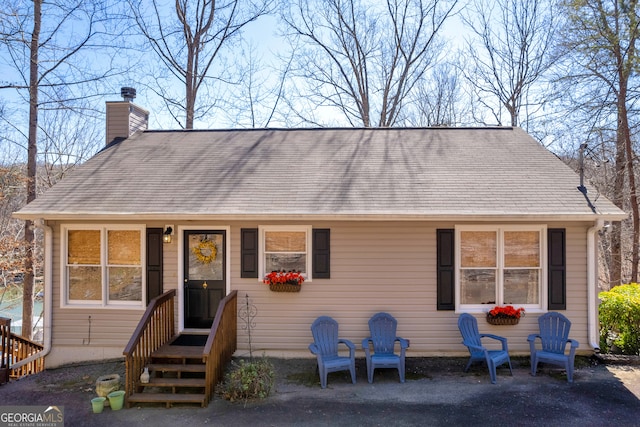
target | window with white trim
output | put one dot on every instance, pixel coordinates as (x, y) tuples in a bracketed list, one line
[(103, 266), (285, 248), (500, 265)]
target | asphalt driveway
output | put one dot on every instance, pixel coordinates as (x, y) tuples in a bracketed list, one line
[(436, 393)]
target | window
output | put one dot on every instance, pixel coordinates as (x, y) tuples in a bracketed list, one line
[(500, 265), (285, 248), (103, 266)]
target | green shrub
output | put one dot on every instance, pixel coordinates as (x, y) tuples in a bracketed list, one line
[(619, 316), (248, 380)]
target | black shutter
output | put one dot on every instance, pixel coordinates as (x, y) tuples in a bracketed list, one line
[(321, 253), (249, 252), (154, 263), (557, 269), (446, 269)]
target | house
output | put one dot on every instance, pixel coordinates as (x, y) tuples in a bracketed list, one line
[(422, 223)]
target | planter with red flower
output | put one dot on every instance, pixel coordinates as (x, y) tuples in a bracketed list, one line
[(284, 281), (507, 315)]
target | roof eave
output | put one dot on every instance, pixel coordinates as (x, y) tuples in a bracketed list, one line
[(441, 217)]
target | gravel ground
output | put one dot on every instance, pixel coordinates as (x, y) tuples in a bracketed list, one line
[(436, 393)]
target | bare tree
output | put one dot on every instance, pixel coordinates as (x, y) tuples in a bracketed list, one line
[(364, 60), (42, 45), (601, 70), (66, 139), (12, 249), (260, 91), (190, 43), (509, 54), (438, 99)]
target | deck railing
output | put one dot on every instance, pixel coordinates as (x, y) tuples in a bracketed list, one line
[(221, 343), (5, 346), (13, 350), (22, 349), (155, 329)]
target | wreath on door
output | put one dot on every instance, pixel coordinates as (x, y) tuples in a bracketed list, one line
[(206, 251)]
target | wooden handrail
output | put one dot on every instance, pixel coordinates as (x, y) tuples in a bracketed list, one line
[(15, 349), (156, 327), (146, 319), (221, 342), (24, 348)]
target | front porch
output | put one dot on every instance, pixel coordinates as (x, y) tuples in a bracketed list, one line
[(182, 368)]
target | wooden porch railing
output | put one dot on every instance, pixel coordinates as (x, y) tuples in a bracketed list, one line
[(13, 350), (155, 329), (5, 349), (221, 343), (23, 348)]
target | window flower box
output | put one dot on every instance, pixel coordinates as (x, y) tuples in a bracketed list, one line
[(284, 281), (507, 315)]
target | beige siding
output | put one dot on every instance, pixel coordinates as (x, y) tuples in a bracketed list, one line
[(84, 334), (375, 266), (124, 119), (138, 119), (390, 267), (117, 120)]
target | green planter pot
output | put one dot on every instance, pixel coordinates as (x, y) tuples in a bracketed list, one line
[(97, 403), (116, 399)]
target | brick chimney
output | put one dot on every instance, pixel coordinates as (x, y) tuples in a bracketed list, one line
[(124, 118)]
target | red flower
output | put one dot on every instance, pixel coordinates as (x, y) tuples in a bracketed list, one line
[(291, 277), (507, 311)]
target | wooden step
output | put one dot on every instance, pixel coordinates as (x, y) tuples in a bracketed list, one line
[(175, 382), (166, 398), (173, 360), (178, 352), (177, 367)]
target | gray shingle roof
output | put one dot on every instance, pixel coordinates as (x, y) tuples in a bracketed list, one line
[(432, 173)]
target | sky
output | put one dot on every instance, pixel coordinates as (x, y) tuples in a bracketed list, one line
[(261, 33)]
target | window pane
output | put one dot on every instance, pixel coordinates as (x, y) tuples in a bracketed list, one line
[(206, 253), (521, 287), (287, 262), (83, 247), (522, 249), (478, 248), (124, 247), (85, 283), (125, 284), (285, 241), (478, 286)]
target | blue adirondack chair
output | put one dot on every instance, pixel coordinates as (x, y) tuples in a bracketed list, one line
[(472, 338), (382, 327), (325, 347), (554, 337)]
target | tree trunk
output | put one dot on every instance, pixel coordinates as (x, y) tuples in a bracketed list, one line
[(615, 268), (635, 214), (616, 226), (190, 90), (32, 154), (190, 97), (625, 134)]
